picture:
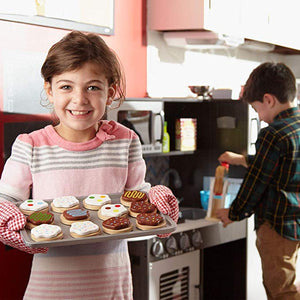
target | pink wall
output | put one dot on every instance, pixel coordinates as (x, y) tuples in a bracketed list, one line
[(128, 42)]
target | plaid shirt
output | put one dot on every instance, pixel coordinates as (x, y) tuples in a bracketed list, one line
[(271, 186)]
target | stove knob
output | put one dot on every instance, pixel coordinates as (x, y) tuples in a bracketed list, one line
[(157, 249), (197, 240), (171, 245), (184, 242)]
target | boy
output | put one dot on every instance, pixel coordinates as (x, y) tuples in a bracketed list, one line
[(272, 183)]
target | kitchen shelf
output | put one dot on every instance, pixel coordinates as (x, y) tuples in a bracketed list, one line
[(171, 153)]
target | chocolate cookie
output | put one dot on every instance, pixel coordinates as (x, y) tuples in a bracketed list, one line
[(116, 225), (139, 207), (150, 221), (72, 215), (129, 196), (38, 218)]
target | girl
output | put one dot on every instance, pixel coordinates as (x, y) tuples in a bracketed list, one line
[(82, 154)]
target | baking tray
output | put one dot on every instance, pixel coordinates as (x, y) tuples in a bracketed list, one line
[(69, 240)]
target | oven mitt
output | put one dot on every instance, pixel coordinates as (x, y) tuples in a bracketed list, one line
[(11, 221), (163, 198)]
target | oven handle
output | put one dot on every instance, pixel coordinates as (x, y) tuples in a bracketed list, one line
[(162, 119)]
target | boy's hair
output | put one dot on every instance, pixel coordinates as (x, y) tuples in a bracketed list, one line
[(272, 78), (76, 49)]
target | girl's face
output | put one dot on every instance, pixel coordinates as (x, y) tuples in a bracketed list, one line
[(79, 98)]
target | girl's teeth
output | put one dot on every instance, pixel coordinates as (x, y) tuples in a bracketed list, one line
[(74, 112)]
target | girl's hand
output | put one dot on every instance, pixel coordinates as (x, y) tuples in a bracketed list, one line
[(11, 221), (222, 214), (163, 198)]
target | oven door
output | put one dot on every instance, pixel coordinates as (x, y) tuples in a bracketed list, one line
[(177, 277), (145, 118)]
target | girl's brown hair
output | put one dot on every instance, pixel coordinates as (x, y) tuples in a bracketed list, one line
[(76, 49)]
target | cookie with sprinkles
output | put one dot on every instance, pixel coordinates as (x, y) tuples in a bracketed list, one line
[(61, 204), (74, 215), (116, 225), (46, 232), (150, 221), (30, 206), (138, 207), (84, 229), (95, 201), (38, 218)]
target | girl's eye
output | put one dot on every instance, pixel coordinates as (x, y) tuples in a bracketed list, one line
[(65, 87), (93, 88)]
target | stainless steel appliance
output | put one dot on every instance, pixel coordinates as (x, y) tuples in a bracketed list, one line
[(146, 118)]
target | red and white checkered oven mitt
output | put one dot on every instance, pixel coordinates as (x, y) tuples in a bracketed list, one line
[(11, 221), (163, 198)]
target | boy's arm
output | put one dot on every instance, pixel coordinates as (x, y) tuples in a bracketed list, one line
[(233, 159)]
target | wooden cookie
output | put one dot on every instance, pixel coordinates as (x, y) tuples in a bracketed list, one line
[(74, 215), (38, 218), (112, 210), (116, 225), (130, 196), (150, 221), (46, 232), (84, 229), (61, 204), (95, 201), (139, 207), (30, 206)]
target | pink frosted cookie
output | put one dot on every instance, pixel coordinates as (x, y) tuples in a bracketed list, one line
[(95, 201), (84, 229), (61, 204), (30, 206), (112, 210), (46, 232)]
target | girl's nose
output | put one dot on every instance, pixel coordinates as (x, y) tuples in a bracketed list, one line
[(80, 97)]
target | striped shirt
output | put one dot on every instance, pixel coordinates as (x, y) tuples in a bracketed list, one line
[(271, 185), (52, 167)]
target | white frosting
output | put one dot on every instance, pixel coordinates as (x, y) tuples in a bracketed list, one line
[(97, 199), (66, 201), (46, 231), (84, 228), (34, 205), (113, 210)]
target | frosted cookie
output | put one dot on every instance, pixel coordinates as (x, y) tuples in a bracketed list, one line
[(112, 210), (70, 216), (150, 221), (138, 207), (116, 225), (95, 201), (84, 229), (61, 204), (38, 218), (46, 232), (129, 196), (30, 206)]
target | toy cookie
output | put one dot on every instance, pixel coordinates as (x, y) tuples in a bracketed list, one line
[(29, 206), (61, 204), (116, 225), (129, 196), (38, 218), (112, 210), (139, 207), (95, 201), (150, 221), (46, 232), (70, 216), (84, 229)]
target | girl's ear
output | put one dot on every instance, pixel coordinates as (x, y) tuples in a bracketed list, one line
[(48, 90), (111, 94)]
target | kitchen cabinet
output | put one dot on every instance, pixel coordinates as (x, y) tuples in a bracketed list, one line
[(268, 21)]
